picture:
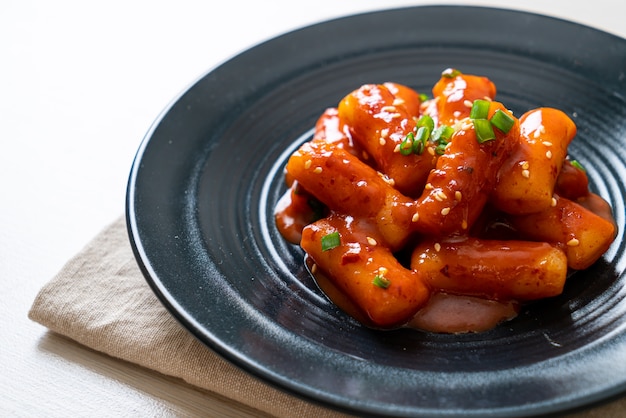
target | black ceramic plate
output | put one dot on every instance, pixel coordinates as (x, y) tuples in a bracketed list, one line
[(208, 174)]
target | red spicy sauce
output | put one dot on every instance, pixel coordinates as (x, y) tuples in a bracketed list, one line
[(444, 312)]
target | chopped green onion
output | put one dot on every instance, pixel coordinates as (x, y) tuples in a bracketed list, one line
[(502, 120), (578, 165), (441, 137), (422, 135), (331, 241), (450, 73), (484, 131), (416, 140), (406, 147), (444, 132), (418, 147), (423, 97), (381, 281), (427, 122), (480, 109)]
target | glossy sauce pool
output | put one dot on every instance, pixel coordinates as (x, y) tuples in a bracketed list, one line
[(443, 313)]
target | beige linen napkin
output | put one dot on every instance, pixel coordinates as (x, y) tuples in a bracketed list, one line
[(101, 300)]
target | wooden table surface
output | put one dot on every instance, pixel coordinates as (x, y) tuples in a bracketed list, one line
[(80, 84)]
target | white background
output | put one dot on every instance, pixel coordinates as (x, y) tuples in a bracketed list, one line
[(80, 84)]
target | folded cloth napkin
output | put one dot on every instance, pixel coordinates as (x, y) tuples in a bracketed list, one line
[(101, 300)]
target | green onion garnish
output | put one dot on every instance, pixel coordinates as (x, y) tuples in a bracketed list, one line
[(331, 241), (578, 165), (416, 140), (423, 97), (418, 147), (422, 135), (484, 131), (450, 73), (406, 147), (480, 109), (440, 149), (444, 132), (381, 281), (427, 122), (483, 127), (502, 120)]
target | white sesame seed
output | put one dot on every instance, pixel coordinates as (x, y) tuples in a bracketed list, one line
[(317, 170), (537, 134), (440, 196), (547, 143), (458, 195), (428, 186), (371, 241), (468, 103), (549, 154), (456, 113), (314, 268), (397, 148), (487, 98), (416, 217), (465, 124), (525, 173), (307, 164), (573, 242), (525, 165), (542, 129), (553, 202), (431, 150), (382, 141), (395, 115), (388, 109), (437, 247), (384, 133), (398, 102), (383, 270), (445, 211)]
